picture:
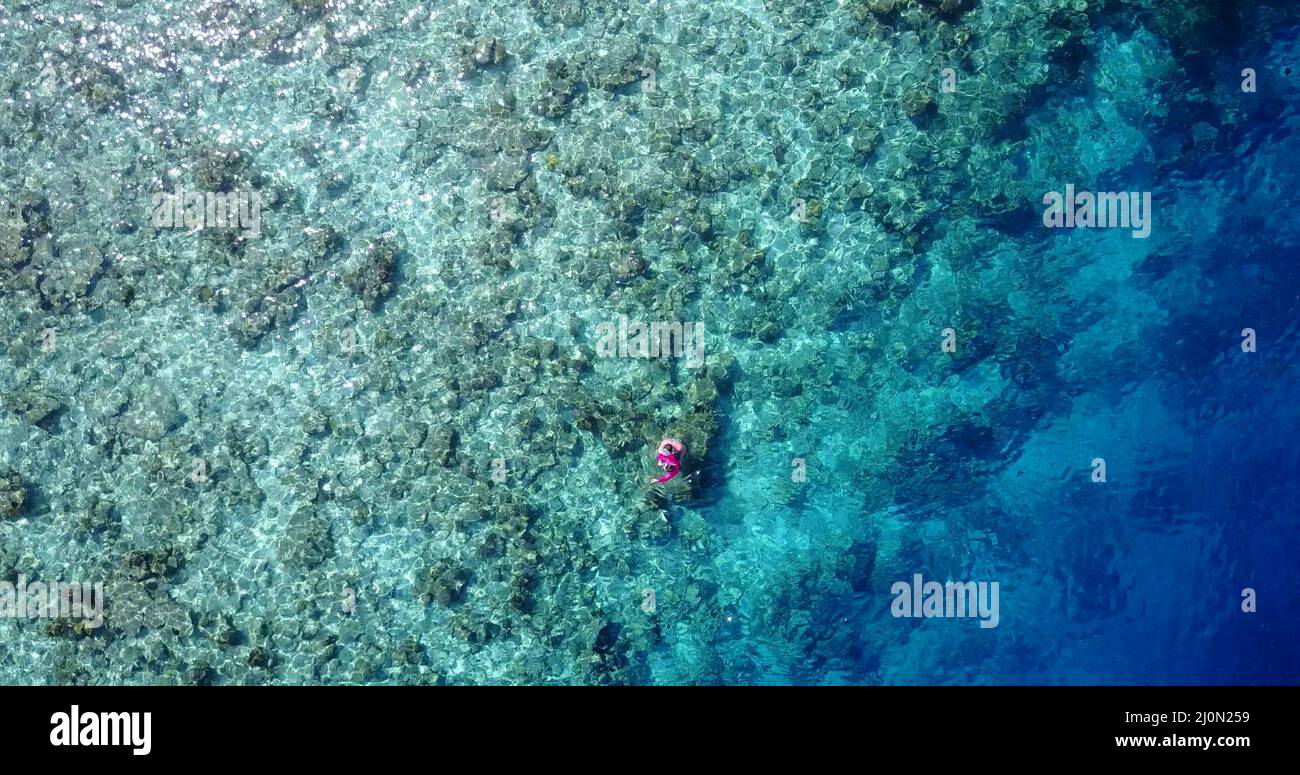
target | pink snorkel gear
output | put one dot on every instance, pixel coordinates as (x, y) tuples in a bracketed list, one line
[(668, 456)]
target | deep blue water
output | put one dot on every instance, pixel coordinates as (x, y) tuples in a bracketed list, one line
[(1141, 579)]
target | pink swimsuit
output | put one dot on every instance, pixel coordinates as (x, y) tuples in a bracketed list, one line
[(671, 466)]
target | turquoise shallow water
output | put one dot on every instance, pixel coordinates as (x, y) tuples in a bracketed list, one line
[(377, 439)]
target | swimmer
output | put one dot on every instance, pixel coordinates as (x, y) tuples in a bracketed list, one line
[(669, 458)]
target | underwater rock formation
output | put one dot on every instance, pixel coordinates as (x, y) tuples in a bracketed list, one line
[(13, 493), (372, 279)]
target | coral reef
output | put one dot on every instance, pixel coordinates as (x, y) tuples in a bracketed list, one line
[(372, 279), (13, 493), (378, 439)]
